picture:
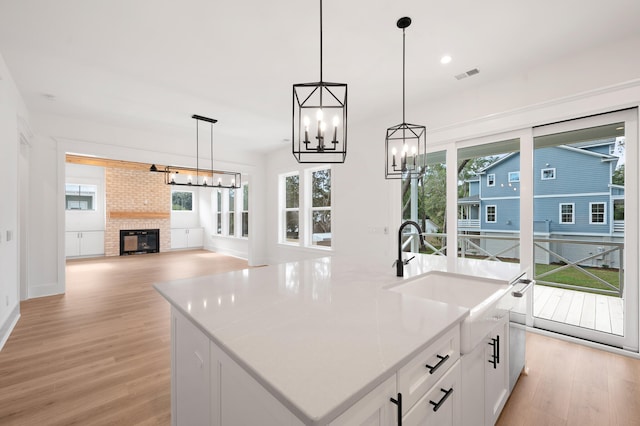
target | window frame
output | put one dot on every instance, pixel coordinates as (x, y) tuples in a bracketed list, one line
[(244, 233), (573, 214), (309, 190), (282, 234), (495, 213), (491, 179), (603, 213), (514, 180), (93, 196), (542, 177), (173, 191)]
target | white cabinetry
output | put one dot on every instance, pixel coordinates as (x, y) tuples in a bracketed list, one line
[(238, 399), (210, 388), (374, 409), (84, 243), (485, 376), (419, 384), (190, 373), (187, 238)]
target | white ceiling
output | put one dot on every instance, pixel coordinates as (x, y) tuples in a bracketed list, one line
[(151, 64)]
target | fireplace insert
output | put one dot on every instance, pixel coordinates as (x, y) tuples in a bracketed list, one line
[(139, 241)]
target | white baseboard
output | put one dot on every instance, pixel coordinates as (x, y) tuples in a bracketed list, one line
[(44, 290), (9, 324)]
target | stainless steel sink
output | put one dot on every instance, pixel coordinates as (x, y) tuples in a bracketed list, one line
[(488, 300)]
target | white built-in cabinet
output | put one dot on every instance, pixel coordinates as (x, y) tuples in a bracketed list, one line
[(485, 376), (187, 238), (84, 243), (210, 388)]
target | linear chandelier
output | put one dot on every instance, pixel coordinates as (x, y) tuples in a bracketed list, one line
[(188, 176), (405, 144), (314, 103)]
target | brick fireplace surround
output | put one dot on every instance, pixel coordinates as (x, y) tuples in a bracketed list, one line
[(136, 199)]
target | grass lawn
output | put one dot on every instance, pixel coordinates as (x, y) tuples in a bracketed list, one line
[(572, 276)]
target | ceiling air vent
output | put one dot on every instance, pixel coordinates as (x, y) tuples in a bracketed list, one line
[(467, 74)]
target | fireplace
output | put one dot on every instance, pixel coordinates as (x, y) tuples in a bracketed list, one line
[(139, 241)]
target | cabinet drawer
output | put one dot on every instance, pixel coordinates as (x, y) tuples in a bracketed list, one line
[(441, 405), (424, 370)]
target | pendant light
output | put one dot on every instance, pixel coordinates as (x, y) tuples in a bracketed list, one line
[(405, 144), (188, 176), (319, 119)]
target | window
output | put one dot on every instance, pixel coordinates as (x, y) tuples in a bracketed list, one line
[(219, 212), (598, 213), (514, 176), (491, 180), (548, 174), (321, 208), (80, 197), (245, 210), (232, 211), (291, 208), (181, 201), (566, 213), (491, 214)]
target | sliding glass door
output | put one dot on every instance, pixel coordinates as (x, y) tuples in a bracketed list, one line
[(585, 223)]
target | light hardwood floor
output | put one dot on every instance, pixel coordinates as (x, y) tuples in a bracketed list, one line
[(99, 355)]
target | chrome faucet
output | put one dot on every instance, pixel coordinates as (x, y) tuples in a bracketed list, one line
[(399, 263)]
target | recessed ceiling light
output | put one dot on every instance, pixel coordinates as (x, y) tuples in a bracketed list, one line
[(445, 59)]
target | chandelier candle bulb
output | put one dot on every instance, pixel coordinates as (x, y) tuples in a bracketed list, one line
[(394, 151), (306, 129), (336, 121)]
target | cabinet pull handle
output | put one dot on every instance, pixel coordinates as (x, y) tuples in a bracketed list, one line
[(398, 402), (498, 349), (494, 358), (447, 394), (442, 359)]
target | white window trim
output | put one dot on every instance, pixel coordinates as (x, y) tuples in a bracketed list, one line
[(547, 178), (573, 213), (495, 214), (311, 209), (282, 204), (491, 177), (513, 173), (242, 210), (604, 213)]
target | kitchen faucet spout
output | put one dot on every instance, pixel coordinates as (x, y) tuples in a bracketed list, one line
[(399, 263)]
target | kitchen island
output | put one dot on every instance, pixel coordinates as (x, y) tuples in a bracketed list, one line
[(310, 342)]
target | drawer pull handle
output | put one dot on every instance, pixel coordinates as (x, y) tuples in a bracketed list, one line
[(447, 394), (496, 352), (442, 359), (398, 402)]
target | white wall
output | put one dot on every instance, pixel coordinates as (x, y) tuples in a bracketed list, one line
[(603, 79), (12, 112), (58, 135)]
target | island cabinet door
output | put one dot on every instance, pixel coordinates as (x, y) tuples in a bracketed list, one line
[(191, 373), (374, 409), (238, 399)]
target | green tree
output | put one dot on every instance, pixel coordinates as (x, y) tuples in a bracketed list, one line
[(618, 176)]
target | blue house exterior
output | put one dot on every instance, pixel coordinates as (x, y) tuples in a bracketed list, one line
[(574, 198)]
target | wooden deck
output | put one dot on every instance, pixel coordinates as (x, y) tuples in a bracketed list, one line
[(592, 311)]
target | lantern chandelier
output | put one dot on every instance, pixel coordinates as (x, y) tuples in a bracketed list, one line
[(405, 144), (314, 103), (188, 176)]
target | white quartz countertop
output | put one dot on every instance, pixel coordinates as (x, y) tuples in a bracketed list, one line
[(319, 334)]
